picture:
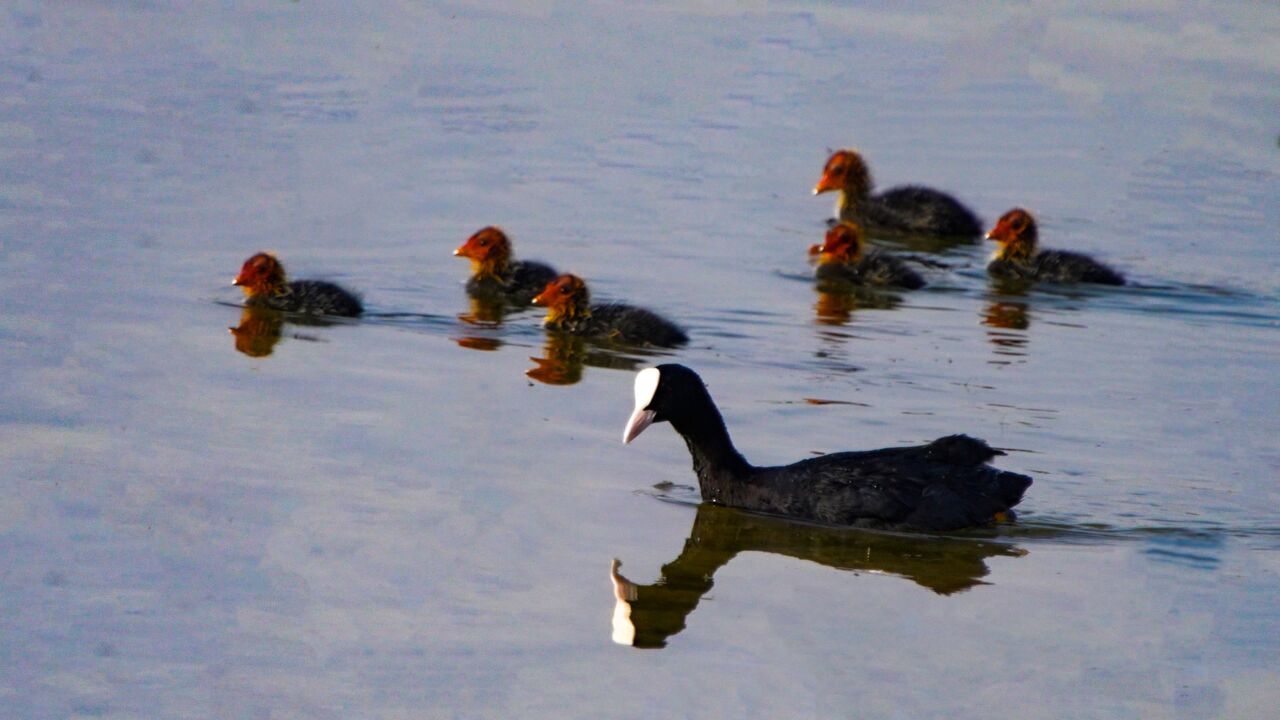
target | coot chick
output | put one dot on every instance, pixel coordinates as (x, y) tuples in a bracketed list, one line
[(495, 275), (264, 284), (843, 256), (945, 485), (1017, 259), (569, 309), (907, 209)]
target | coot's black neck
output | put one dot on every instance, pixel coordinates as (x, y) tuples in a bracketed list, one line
[(718, 465)]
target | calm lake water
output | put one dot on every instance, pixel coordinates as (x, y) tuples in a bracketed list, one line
[(415, 515)]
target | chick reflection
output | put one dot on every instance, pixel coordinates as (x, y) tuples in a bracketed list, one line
[(261, 328), (259, 331), (837, 302), (1008, 320), (564, 355), (561, 361), (645, 616), (484, 313)]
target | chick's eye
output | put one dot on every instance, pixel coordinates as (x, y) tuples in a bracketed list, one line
[(482, 242), (565, 289)]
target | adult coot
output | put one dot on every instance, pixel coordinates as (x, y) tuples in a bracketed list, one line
[(944, 485)]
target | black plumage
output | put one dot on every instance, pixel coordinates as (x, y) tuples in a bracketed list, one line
[(944, 485)]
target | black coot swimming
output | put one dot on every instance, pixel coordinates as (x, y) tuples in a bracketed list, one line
[(945, 485), (843, 256), (569, 309), (1018, 259), (495, 275), (263, 281), (907, 209)]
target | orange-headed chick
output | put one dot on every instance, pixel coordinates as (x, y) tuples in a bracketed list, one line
[(843, 256), (495, 275), (907, 209), (569, 309), (264, 284), (1019, 259)]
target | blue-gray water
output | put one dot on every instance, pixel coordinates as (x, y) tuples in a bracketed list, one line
[(389, 518)]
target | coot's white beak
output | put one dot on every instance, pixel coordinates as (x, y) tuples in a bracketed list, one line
[(641, 417)]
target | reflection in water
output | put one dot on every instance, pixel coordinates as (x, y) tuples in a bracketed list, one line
[(1008, 320), (562, 358), (564, 355), (484, 313), (646, 615), (258, 332), (837, 301), (261, 328)]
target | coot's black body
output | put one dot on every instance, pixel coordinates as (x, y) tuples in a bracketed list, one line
[(945, 485)]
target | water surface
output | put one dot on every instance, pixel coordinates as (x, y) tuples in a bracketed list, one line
[(415, 514)]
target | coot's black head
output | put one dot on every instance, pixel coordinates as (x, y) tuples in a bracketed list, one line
[(665, 393)]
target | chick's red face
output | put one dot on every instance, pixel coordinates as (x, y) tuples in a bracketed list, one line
[(841, 241), (1013, 226), (259, 271), (560, 291), (486, 243), (835, 172)]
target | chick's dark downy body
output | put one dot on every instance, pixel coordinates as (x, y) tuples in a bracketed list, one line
[(907, 209), (496, 275), (844, 257), (569, 310), (1020, 260), (263, 280)]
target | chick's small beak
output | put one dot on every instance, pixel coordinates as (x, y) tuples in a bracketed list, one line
[(826, 184), (460, 251), (237, 281)]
